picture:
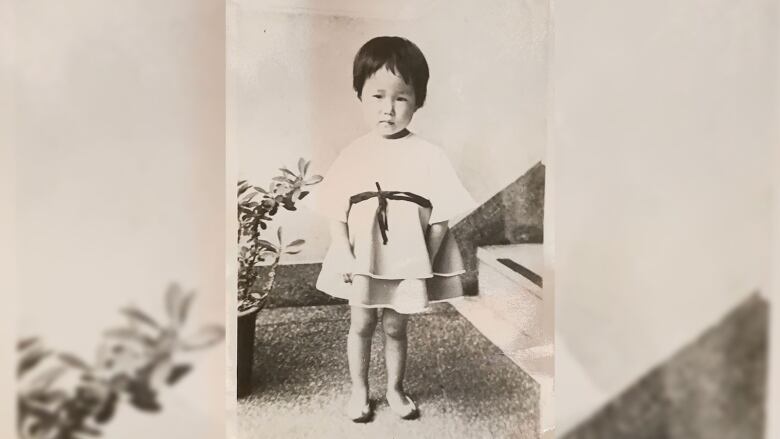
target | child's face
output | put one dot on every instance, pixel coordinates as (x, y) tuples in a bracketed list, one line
[(388, 103)]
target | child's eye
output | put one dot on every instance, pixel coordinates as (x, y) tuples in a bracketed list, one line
[(377, 96), (402, 99)]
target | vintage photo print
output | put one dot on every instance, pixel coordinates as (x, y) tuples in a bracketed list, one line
[(390, 162)]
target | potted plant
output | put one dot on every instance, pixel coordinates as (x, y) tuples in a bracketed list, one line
[(256, 208), (61, 396)]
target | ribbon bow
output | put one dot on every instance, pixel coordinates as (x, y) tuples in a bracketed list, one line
[(381, 210)]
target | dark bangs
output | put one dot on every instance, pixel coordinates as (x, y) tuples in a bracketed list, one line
[(400, 56)]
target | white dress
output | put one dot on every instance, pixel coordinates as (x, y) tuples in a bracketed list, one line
[(391, 265)]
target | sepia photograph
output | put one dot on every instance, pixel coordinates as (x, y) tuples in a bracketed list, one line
[(390, 218), (517, 219)]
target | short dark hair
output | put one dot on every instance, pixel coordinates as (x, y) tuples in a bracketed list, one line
[(400, 56)]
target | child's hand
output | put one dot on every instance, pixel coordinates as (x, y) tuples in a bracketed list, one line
[(340, 239), (434, 238)]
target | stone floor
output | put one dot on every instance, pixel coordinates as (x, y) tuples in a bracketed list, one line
[(464, 385)]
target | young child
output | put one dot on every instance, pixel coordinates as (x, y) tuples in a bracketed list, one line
[(389, 196)]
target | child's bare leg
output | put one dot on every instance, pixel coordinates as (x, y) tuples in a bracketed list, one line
[(394, 325), (362, 325)]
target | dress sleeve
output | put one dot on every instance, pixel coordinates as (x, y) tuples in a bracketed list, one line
[(330, 198), (448, 196)]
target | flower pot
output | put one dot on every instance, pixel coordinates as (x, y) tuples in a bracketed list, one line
[(245, 345)]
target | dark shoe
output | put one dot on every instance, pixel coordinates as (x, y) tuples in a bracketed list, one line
[(407, 411), (365, 414)]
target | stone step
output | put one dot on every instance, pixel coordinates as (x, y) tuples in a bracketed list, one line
[(521, 263), (509, 312), (539, 362), (509, 295)]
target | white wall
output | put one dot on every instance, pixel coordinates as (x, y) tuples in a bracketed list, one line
[(773, 399), (7, 222), (290, 87), (664, 117), (120, 181)]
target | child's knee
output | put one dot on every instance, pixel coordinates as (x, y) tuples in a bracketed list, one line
[(363, 324), (394, 328)]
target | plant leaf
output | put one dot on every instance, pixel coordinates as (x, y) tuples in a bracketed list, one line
[(306, 167), (248, 197), (267, 244), (281, 179), (287, 171), (107, 409), (177, 373), (303, 194), (267, 253), (26, 343), (139, 316), (203, 338), (242, 187), (172, 298), (31, 359), (74, 361), (302, 165), (279, 234), (130, 335), (184, 308), (45, 380), (314, 180), (293, 252), (142, 397), (296, 242), (261, 190)]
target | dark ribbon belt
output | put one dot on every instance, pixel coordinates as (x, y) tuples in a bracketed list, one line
[(381, 210)]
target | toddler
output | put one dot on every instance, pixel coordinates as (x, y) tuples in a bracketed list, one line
[(389, 196)]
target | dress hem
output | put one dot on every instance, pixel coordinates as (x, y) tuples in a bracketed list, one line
[(415, 311), (432, 275), (394, 307)]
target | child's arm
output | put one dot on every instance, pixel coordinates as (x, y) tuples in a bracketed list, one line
[(436, 233), (339, 237)]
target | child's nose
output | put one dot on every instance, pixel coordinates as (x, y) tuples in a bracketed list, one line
[(388, 106)]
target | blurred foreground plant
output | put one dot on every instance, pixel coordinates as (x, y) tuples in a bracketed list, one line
[(132, 363)]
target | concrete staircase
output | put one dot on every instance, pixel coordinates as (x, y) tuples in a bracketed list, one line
[(509, 311)]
